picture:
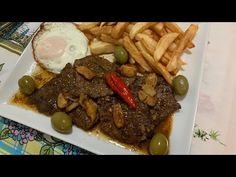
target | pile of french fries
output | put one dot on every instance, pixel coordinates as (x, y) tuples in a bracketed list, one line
[(154, 46)]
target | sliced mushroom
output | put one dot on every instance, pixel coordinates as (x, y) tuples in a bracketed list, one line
[(72, 106), (128, 70), (118, 116), (151, 80), (145, 98), (62, 102), (91, 109), (86, 72), (149, 90)]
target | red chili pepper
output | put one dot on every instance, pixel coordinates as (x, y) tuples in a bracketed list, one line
[(119, 87)]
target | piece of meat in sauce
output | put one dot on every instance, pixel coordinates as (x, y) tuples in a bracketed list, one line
[(73, 84), (139, 124)]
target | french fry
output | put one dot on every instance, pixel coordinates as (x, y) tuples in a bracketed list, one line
[(178, 68), (102, 24), (149, 43), (164, 60), (129, 27), (135, 54), (139, 27), (172, 47), (175, 28), (89, 35), (167, 57), (158, 28), (156, 66), (111, 23), (118, 29), (188, 36), (148, 32), (87, 25), (109, 39), (151, 34), (97, 31), (155, 36), (125, 34), (163, 45), (100, 47)]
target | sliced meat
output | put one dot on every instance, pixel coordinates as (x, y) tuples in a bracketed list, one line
[(139, 124), (81, 119), (46, 97), (72, 83)]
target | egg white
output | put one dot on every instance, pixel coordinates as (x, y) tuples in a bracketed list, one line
[(76, 48)]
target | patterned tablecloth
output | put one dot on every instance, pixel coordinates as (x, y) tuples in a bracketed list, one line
[(215, 119)]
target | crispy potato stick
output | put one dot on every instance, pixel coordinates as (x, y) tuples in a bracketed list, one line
[(188, 36), (167, 57), (109, 39), (179, 67), (129, 27), (97, 31), (164, 60), (139, 27), (159, 29), (172, 46), (135, 54), (100, 47), (102, 24), (175, 28), (149, 32), (163, 45), (157, 67), (156, 37), (111, 23), (162, 69), (87, 25), (125, 34), (89, 35), (149, 43), (118, 30)]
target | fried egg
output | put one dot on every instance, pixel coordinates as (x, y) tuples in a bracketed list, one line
[(57, 44)]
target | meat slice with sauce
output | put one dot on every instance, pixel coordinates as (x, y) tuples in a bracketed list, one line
[(139, 124)]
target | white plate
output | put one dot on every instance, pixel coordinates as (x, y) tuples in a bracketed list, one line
[(183, 124)]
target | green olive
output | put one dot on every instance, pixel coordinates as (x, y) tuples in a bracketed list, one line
[(121, 55), (180, 84), (158, 145), (61, 122), (27, 85)]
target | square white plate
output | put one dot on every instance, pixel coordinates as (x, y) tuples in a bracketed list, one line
[(183, 124)]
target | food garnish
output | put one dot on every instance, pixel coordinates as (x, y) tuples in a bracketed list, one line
[(119, 87)]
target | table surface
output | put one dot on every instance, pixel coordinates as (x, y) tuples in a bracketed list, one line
[(215, 124)]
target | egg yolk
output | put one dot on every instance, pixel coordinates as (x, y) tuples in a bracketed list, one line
[(51, 47)]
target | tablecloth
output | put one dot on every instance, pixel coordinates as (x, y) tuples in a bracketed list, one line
[(215, 124)]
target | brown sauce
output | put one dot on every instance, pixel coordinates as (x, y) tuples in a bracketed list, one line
[(42, 76)]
